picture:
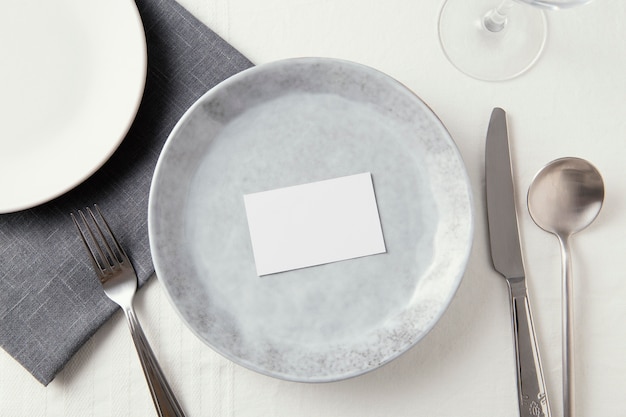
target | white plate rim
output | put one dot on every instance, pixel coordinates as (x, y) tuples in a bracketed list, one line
[(74, 177)]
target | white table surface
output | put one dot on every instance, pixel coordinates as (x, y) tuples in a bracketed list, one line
[(572, 103)]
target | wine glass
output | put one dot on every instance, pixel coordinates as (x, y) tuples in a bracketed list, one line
[(495, 39)]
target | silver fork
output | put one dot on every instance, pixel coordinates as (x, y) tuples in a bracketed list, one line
[(119, 281)]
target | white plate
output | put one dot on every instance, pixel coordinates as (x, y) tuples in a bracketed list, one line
[(293, 122), (71, 80)]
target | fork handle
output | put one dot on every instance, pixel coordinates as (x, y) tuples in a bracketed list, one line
[(162, 395)]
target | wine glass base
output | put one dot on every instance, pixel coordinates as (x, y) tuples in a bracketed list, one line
[(486, 55)]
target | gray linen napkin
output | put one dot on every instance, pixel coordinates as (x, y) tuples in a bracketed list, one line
[(50, 299)]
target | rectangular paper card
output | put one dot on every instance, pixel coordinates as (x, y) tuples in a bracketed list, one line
[(313, 224)]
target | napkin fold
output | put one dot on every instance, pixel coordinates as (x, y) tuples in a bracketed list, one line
[(50, 299)]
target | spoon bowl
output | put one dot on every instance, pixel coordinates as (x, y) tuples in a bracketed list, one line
[(564, 198)]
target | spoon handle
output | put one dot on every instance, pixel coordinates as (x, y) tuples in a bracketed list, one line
[(533, 400), (567, 326)]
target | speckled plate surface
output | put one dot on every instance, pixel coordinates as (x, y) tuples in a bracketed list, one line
[(292, 122)]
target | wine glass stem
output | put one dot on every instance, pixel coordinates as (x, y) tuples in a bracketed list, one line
[(495, 19)]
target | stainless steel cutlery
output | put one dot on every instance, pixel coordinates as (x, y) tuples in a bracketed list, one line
[(119, 281), (564, 198), (507, 259)]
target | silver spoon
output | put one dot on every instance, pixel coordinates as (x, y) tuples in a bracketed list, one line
[(564, 198)]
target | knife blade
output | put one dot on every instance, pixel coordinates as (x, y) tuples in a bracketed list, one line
[(506, 255)]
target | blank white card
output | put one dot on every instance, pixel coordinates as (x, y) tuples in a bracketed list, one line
[(313, 224)]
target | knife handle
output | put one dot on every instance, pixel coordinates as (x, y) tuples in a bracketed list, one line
[(531, 387)]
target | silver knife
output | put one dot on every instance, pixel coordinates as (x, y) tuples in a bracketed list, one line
[(506, 254)]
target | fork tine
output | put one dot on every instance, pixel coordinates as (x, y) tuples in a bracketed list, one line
[(110, 255), (92, 255), (118, 247), (106, 263)]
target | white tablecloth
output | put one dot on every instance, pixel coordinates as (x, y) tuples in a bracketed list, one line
[(572, 103)]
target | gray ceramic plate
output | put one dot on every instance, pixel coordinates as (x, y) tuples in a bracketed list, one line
[(293, 122)]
